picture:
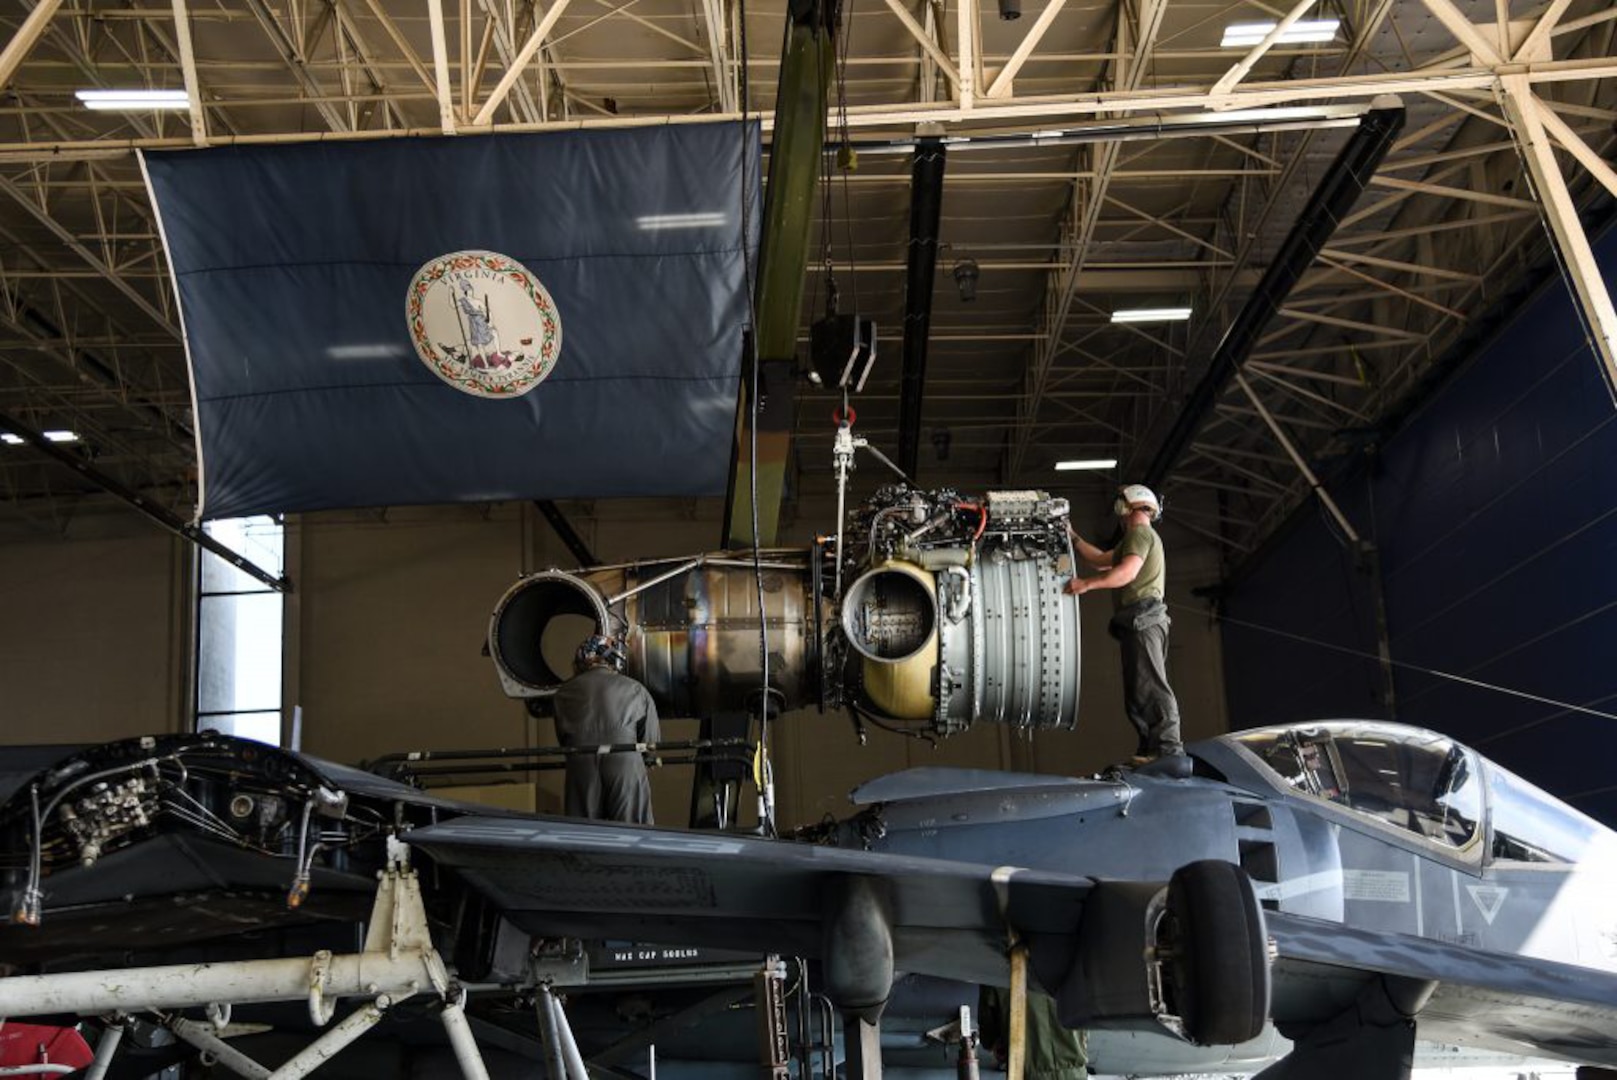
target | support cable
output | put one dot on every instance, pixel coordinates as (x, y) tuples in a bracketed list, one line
[(1437, 673), (764, 777)]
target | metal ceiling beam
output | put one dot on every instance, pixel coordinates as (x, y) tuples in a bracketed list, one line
[(1031, 114), (926, 208), (158, 514), (1003, 81), (565, 532), (1343, 182), (1239, 69), (1574, 144), (72, 244), (188, 68), (26, 37), (927, 42), (1561, 214), (400, 43), (440, 67), (513, 71), (1084, 216), (296, 63)]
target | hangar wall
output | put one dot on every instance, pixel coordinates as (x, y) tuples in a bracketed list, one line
[(1495, 512), (94, 636)]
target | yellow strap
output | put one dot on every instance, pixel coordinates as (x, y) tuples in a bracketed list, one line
[(1017, 1060)]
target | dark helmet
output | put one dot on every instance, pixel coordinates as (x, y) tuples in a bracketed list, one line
[(601, 649)]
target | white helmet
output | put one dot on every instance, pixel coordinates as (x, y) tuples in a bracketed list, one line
[(1137, 496)]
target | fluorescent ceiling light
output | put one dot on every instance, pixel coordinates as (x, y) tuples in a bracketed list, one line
[(1086, 463), (61, 435), (1155, 314), (1246, 35), (132, 100), (707, 220), (11, 440)]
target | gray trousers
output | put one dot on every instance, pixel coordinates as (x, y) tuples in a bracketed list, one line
[(1147, 697)]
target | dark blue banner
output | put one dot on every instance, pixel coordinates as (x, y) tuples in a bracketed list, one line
[(462, 319)]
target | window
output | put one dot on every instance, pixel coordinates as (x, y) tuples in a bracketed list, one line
[(239, 623), (1410, 779), (1532, 826)]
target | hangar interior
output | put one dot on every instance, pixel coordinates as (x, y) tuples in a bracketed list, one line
[(1383, 431)]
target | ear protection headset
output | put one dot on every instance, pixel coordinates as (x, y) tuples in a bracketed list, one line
[(603, 649), (1137, 495)]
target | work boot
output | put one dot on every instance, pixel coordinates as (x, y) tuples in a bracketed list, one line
[(1174, 766)]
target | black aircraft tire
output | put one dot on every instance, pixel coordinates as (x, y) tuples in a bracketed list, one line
[(1220, 969)]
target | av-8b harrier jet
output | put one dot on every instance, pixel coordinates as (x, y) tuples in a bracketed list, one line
[(1356, 886)]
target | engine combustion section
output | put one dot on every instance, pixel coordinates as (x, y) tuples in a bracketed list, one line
[(940, 611), (691, 628)]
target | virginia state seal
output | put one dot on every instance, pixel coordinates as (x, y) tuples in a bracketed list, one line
[(483, 323)]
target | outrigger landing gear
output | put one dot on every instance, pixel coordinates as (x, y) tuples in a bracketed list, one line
[(398, 962)]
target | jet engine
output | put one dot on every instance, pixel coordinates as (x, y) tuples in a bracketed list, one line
[(934, 610)]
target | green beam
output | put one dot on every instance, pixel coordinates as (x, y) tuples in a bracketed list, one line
[(807, 65)]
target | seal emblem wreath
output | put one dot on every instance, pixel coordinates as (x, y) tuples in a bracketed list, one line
[(483, 323)]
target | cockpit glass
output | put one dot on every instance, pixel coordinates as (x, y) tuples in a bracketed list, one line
[(1532, 826), (1412, 780)]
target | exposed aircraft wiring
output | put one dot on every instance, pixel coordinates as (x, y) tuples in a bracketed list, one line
[(173, 800), (1115, 775), (1404, 664), (32, 894), (919, 731)]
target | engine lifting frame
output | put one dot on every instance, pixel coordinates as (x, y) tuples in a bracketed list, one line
[(397, 962)]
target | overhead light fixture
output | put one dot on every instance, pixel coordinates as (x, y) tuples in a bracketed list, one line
[(966, 272), (1246, 35), (703, 220), (1010, 10), (1086, 464), (132, 100), (11, 440), (61, 435), (1155, 314)]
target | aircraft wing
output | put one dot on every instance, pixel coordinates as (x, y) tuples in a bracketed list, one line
[(565, 877), (1513, 1003)]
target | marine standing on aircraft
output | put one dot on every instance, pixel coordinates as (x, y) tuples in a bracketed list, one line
[(1406, 887)]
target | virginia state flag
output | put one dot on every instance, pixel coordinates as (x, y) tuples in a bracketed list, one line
[(462, 319)]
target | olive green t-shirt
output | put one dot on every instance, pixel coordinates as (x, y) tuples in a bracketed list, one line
[(1142, 540)]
